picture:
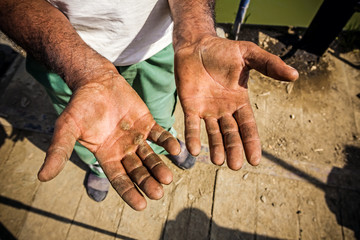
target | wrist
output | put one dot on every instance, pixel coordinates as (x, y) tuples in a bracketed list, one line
[(191, 40), (95, 69), (193, 21)]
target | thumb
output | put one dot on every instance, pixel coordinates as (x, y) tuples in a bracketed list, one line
[(61, 147), (267, 63)]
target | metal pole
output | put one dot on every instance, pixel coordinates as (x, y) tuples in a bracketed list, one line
[(328, 22), (240, 17)]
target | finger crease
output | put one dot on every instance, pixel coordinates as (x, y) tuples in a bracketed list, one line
[(213, 132), (135, 169), (188, 137), (143, 179), (191, 129), (211, 119), (127, 190), (247, 122), (233, 145), (119, 175), (154, 165), (228, 132), (242, 106), (147, 154), (252, 140), (216, 144), (166, 136), (109, 161), (60, 149)]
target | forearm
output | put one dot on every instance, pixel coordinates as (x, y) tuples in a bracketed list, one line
[(192, 21), (47, 35)]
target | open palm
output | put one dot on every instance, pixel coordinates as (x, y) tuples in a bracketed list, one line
[(211, 78), (111, 120)]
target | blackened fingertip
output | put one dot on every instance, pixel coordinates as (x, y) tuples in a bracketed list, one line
[(172, 146), (137, 203), (152, 189)]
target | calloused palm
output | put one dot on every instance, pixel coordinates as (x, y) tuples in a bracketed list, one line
[(111, 120), (211, 78)]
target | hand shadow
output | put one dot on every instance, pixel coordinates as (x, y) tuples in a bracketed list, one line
[(192, 223), (345, 203)]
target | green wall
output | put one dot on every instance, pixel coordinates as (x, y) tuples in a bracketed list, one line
[(276, 12)]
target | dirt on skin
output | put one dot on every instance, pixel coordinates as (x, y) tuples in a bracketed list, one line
[(313, 119)]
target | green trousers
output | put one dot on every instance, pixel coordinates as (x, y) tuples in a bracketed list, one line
[(152, 79)]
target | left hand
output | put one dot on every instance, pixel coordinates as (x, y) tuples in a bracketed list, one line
[(211, 77), (109, 118)]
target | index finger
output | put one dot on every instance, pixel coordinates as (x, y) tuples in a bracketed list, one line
[(267, 63)]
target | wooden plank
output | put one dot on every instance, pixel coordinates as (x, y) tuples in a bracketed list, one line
[(200, 196), (179, 209), (188, 214), (98, 220), (55, 205), (283, 208), (318, 209), (147, 224), (235, 205), (19, 183), (276, 207)]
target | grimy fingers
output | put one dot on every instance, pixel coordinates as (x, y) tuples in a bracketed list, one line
[(62, 144), (217, 152), (249, 134), (267, 63), (192, 134), (232, 141), (123, 185), (141, 176), (165, 139), (154, 164)]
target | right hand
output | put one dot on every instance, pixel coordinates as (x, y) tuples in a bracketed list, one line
[(211, 78), (110, 119)]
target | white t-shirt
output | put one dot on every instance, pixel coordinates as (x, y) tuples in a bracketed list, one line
[(123, 31)]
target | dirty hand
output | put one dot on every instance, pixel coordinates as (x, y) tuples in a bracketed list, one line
[(111, 120), (211, 78)]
